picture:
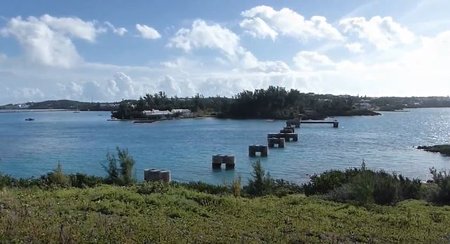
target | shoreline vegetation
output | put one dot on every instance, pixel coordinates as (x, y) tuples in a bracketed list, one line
[(270, 103), (443, 149), (59, 207)]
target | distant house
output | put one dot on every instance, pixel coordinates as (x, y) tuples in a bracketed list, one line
[(363, 105), (183, 112), (156, 112)]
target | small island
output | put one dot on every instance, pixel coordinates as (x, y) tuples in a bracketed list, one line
[(443, 149), (270, 103)]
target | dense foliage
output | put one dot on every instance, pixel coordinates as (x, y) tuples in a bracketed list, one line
[(443, 149), (158, 213), (51, 209), (120, 168), (273, 103), (364, 186)]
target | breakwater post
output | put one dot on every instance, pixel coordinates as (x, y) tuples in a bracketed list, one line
[(287, 129), (157, 175), (219, 159), (253, 149), (271, 142), (287, 136)]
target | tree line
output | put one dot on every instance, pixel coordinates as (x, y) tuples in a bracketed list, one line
[(271, 103)]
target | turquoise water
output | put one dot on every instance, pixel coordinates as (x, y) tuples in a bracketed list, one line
[(80, 141)]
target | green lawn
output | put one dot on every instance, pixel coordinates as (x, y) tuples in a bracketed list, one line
[(121, 214)]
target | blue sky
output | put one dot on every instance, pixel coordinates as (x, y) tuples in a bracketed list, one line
[(106, 51)]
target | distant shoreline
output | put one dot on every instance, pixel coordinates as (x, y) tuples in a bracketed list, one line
[(32, 110)]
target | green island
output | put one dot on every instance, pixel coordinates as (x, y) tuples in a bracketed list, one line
[(270, 103), (345, 206), (442, 149)]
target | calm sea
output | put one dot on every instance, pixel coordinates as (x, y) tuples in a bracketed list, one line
[(80, 142)]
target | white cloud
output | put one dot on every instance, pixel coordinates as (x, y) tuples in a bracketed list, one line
[(47, 40), (419, 71), (264, 21), (74, 27), (382, 32), (120, 31), (203, 35), (147, 32), (354, 47), (258, 28), (214, 36), (307, 60)]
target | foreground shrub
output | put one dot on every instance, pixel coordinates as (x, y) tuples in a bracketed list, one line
[(5, 180), (82, 180), (152, 187), (205, 187), (363, 186), (442, 180), (120, 168), (328, 181), (56, 178), (236, 187), (261, 183)]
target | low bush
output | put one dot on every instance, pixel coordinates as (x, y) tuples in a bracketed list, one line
[(363, 186), (147, 188), (205, 187), (261, 183), (442, 180), (120, 168), (82, 180)]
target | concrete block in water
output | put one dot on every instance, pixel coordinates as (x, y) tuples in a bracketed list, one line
[(279, 142), (218, 160), (253, 149), (164, 175)]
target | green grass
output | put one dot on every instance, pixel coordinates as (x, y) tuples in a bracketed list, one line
[(114, 214)]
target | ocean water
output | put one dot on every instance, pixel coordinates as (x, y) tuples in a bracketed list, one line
[(80, 142)]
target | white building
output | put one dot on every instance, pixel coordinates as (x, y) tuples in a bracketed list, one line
[(156, 112)]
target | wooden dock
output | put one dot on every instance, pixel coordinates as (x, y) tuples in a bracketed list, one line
[(334, 123)]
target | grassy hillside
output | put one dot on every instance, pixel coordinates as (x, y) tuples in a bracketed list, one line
[(152, 213)]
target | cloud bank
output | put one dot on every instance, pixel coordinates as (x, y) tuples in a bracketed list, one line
[(354, 55)]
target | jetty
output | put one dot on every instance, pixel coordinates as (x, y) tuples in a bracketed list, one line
[(261, 149), (334, 123), (219, 159), (297, 122)]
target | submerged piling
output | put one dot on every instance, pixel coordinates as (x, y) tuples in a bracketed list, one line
[(261, 149)]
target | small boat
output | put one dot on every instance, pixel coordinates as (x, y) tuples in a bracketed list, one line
[(29, 119)]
